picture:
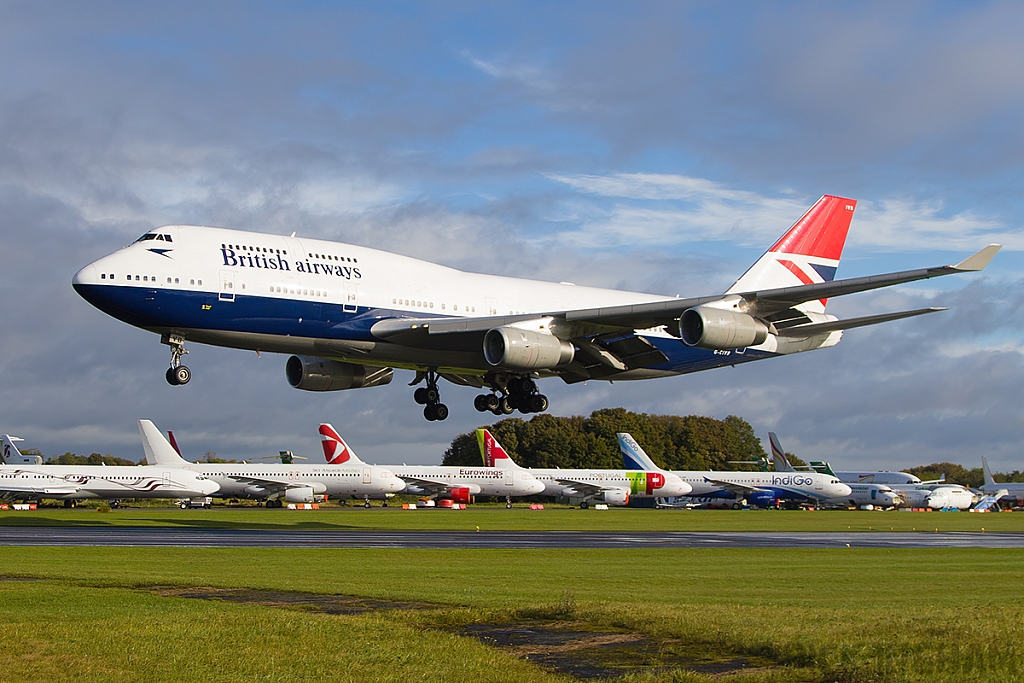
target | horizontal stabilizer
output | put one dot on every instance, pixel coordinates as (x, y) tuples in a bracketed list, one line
[(850, 323)]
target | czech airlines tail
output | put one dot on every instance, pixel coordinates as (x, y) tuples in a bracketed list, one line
[(336, 451)]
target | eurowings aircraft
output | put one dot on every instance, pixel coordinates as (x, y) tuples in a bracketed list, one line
[(614, 487), (862, 492), (346, 476), (351, 314), (764, 489), (457, 483), (34, 481)]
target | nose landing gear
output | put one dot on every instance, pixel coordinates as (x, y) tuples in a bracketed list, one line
[(430, 398), (177, 373)]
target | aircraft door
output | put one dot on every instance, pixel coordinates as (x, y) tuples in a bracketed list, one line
[(350, 298), (508, 474), (818, 483), (227, 285), (492, 305), (367, 475), (167, 478)]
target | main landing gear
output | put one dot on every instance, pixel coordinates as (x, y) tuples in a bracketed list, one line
[(430, 398), (519, 392), (177, 373)]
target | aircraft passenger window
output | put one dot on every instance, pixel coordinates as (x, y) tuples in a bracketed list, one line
[(103, 276), (355, 260), (168, 280), (442, 307), (145, 279), (175, 280), (191, 282), (284, 251), (455, 307), (111, 276), (431, 304), (136, 278), (200, 283)]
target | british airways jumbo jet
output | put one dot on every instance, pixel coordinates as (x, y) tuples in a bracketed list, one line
[(350, 314)]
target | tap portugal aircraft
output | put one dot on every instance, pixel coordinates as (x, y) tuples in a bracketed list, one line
[(350, 315)]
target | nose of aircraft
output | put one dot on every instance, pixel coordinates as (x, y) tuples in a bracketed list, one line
[(208, 487), (840, 490), (675, 486), (85, 276), (394, 484), (530, 485)]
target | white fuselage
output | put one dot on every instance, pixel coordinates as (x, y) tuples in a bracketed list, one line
[(243, 480), (480, 481), (935, 496), (573, 483), (788, 485), (73, 482), (881, 477), (878, 495)]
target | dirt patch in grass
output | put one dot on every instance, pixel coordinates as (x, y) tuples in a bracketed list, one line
[(314, 602), (568, 646), (590, 654)]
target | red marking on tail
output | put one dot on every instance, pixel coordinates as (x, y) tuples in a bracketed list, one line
[(493, 450), (174, 444), (335, 449), (822, 230)]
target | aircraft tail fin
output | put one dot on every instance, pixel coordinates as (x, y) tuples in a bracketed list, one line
[(809, 252), (633, 456), (12, 456), (989, 479), (492, 452), (779, 458), (823, 468), (174, 444), (336, 451), (158, 450)]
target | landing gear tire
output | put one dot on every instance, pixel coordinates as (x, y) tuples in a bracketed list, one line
[(182, 375), (508, 502), (440, 412), (538, 403), (420, 396), (505, 407), (480, 403), (430, 398), (366, 503), (584, 505)]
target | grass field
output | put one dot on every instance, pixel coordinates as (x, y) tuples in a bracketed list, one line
[(522, 519), (852, 615)]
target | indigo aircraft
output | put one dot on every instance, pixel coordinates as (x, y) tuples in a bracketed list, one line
[(713, 488), (350, 315)]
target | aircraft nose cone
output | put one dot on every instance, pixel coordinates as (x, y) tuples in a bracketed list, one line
[(535, 487), (209, 487), (86, 276)]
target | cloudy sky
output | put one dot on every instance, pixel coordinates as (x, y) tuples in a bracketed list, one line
[(652, 146)]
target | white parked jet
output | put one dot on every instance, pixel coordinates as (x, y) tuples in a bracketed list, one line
[(35, 481), (614, 487), (459, 484), (729, 489), (351, 314), (1014, 490), (862, 492), (346, 477)]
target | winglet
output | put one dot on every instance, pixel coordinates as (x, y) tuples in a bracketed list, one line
[(979, 260)]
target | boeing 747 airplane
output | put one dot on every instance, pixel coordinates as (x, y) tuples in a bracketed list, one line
[(351, 314)]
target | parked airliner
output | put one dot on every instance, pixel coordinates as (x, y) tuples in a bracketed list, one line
[(78, 482), (345, 477), (454, 482), (351, 314), (614, 487), (1012, 490), (729, 489), (862, 492)]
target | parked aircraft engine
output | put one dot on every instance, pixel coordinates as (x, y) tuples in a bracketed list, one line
[(461, 495), (715, 328), (618, 497), (511, 347), (762, 499), (317, 374), (300, 494)]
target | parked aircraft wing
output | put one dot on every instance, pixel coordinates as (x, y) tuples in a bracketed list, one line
[(11, 491), (585, 488), (428, 486), (735, 488)]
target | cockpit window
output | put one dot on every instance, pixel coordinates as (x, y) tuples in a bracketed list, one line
[(146, 237)]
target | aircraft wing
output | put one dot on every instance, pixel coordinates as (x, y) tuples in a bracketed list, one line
[(429, 332), (735, 488), (585, 488), (268, 483), (11, 491), (428, 486)]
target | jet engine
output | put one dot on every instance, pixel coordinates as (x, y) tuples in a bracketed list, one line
[(461, 495), (716, 328), (762, 499), (299, 494), (318, 374), (512, 347), (617, 497)]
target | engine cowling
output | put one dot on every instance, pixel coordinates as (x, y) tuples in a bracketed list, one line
[(318, 374), (299, 494), (461, 495), (762, 499), (617, 497), (511, 347), (716, 328)]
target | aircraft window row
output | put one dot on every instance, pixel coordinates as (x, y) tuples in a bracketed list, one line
[(263, 250), (153, 236), (304, 292), (328, 257), (429, 304), (148, 278)]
